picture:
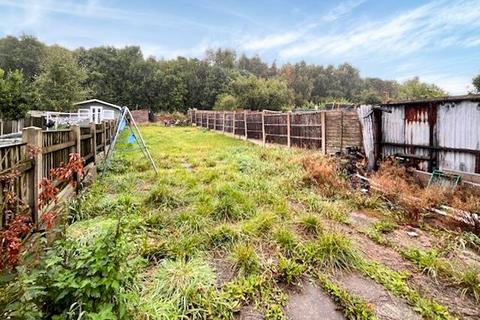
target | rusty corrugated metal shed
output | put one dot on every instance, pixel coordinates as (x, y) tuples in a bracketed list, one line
[(440, 133), (469, 97)]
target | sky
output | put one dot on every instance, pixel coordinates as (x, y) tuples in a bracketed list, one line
[(439, 41)]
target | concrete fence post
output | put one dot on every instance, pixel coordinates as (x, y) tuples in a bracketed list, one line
[(263, 128), (289, 115), (245, 123), (223, 126), (34, 137), (324, 132)]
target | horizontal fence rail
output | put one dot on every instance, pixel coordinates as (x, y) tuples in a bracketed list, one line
[(329, 131), (23, 165)]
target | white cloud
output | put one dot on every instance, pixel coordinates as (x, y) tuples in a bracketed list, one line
[(417, 29), (342, 9), (272, 41), (94, 9), (276, 40)]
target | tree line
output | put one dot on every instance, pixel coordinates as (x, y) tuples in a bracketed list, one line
[(34, 75)]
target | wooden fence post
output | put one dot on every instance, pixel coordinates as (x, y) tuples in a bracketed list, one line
[(263, 128), (233, 123), (215, 120), (324, 133), (223, 126), (208, 120), (34, 137), (93, 131), (75, 135), (104, 137), (289, 114), (245, 123)]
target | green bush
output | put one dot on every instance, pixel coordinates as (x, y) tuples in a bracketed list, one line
[(76, 278)]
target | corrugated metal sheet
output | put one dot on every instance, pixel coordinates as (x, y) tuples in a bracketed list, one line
[(443, 124), (365, 115), (459, 127), (395, 133)]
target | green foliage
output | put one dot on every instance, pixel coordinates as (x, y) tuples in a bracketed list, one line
[(395, 282), (76, 278), (182, 282), (226, 102), (430, 262), (289, 270), (24, 53), (476, 83), (163, 196), (257, 94), (311, 224), (245, 258), (469, 280), (415, 89), (354, 307), (59, 84), (331, 250), (16, 96), (223, 236), (286, 240), (231, 205)]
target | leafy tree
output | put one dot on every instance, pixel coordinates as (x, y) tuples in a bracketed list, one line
[(16, 96), (120, 76), (415, 89), (476, 83), (381, 87), (59, 85), (256, 93), (256, 66), (224, 58), (226, 101), (370, 97), (24, 53)]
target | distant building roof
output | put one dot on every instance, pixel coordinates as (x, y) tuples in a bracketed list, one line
[(468, 97), (97, 101)]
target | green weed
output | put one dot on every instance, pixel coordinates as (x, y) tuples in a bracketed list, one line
[(245, 259), (470, 282), (331, 250), (289, 270), (311, 224), (430, 262), (353, 307), (286, 239)]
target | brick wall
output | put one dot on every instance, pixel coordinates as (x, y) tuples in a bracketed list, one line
[(140, 116)]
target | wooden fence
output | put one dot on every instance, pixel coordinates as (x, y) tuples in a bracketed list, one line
[(40, 151), (330, 131)]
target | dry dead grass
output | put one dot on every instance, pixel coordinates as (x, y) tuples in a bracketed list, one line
[(399, 186), (324, 173)]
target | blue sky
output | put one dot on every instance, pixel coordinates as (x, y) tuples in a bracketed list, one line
[(437, 40)]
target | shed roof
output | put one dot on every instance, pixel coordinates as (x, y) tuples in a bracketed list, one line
[(98, 101), (468, 97)]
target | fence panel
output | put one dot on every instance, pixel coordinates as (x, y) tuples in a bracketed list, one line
[(239, 124), (276, 129), (15, 176), (229, 122), (254, 125), (306, 130), (57, 145)]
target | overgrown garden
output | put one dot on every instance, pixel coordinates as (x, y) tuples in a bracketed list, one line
[(227, 227)]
